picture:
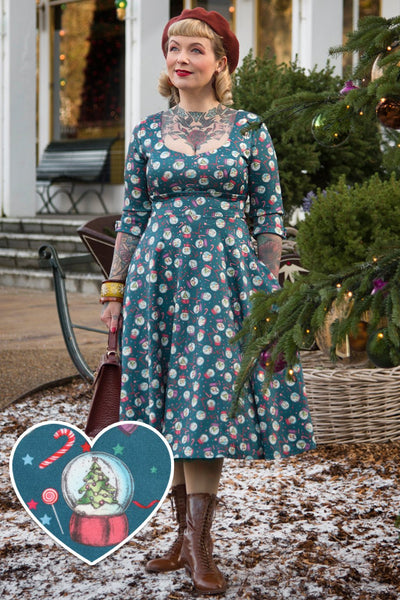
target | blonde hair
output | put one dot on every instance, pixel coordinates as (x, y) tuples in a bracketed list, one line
[(222, 81)]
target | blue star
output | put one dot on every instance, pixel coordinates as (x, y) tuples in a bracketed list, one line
[(27, 459), (45, 519)]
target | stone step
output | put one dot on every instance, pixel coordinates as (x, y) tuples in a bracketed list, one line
[(13, 258), (43, 280), (33, 241), (20, 240), (39, 225)]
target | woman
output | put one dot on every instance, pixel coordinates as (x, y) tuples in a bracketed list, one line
[(184, 257)]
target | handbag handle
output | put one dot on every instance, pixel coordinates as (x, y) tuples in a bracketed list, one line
[(112, 345)]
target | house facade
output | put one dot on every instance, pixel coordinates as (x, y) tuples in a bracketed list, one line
[(80, 69)]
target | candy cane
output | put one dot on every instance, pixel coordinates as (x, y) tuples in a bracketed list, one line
[(61, 451)]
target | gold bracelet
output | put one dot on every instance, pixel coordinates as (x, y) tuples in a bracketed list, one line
[(114, 289)]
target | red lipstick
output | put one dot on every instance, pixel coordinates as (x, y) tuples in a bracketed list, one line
[(182, 73)]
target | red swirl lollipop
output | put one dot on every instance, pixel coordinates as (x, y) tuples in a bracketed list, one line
[(50, 496)]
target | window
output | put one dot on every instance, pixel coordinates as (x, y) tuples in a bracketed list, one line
[(353, 10), (88, 70), (274, 29), (88, 75), (225, 7)]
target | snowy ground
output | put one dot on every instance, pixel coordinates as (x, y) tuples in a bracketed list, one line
[(320, 526)]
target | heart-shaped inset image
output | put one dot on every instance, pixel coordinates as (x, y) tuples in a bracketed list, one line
[(91, 496)]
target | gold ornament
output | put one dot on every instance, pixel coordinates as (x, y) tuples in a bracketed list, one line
[(376, 70)]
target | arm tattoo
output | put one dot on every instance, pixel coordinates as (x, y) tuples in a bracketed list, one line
[(269, 251), (125, 246)]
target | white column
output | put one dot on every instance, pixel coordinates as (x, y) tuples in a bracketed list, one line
[(17, 107), (145, 21), (317, 25), (390, 8), (245, 26), (44, 79)]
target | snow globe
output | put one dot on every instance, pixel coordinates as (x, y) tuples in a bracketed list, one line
[(98, 487)]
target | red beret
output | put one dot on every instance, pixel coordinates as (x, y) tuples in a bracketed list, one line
[(218, 23)]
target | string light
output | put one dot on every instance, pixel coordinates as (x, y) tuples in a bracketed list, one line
[(120, 5)]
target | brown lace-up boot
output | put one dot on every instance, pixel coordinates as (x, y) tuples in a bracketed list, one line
[(197, 545), (171, 561)]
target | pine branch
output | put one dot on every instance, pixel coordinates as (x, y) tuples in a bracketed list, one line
[(289, 319)]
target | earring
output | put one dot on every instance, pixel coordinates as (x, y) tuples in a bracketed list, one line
[(170, 83)]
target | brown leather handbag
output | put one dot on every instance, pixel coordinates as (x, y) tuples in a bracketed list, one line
[(104, 408)]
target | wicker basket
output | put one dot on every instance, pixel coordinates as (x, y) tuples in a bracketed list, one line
[(352, 404)]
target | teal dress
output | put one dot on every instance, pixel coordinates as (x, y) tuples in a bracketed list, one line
[(188, 290)]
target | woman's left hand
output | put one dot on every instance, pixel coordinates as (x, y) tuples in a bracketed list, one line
[(110, 315)]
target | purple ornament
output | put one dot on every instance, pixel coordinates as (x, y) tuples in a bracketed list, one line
[(379, 284), (265, 359), (348, 87)]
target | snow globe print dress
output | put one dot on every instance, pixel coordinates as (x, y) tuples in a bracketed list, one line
[(188, 289)]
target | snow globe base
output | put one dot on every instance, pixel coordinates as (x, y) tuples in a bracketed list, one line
[(98, 531)]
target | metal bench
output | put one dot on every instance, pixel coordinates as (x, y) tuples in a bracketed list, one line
[(66, 164)]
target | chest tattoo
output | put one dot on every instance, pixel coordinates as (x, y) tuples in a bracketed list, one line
[(196, 132)]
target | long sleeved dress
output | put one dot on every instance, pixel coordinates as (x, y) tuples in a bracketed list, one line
[(188, 290)]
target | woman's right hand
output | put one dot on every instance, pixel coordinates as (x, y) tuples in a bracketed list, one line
[(110, 315)]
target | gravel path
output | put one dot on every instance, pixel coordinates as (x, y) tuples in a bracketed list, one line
[(319, 526)]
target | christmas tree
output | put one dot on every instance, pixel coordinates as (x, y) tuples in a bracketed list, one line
[(97, 490), (304, 164), (372, 92), (360, 305)]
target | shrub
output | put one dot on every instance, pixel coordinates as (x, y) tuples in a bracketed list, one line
[(350, 224), (304, 164)]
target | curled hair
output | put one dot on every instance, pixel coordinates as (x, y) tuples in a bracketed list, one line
[(222, 82)]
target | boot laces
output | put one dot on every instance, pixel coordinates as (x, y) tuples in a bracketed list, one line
[(205, 550)]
